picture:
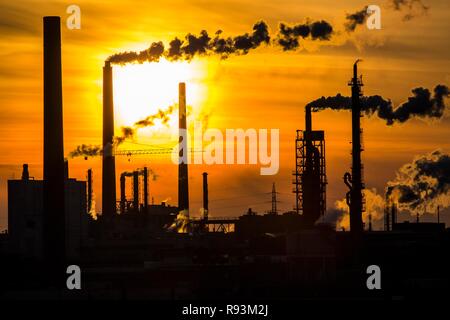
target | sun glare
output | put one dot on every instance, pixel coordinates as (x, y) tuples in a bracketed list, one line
[(141, 90)]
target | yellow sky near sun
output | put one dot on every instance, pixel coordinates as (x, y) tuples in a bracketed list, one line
[(265, 89)]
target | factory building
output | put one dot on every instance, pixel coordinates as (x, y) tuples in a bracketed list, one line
[(26, 218)]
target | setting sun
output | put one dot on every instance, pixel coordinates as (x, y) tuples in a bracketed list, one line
[(142, 89)]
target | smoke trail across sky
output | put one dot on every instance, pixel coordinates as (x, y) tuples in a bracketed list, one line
[(200, 45), (127, 133), (422, 104), (410, 9)]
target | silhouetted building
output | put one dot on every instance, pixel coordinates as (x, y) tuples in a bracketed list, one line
[(26, 217)]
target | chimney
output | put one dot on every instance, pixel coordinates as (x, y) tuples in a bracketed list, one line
[(394, 214), (53, 188), (145, 189), (123, 197), (205, 196), (355, 193), (136, 190), (89, 190), (66, 169), (183, 186), (108, 164), (25, 173), (308, 120)]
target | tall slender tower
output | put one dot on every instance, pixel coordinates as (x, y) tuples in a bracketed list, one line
[(274, 200), (53, 190), (183, 183), (355, 180), (145, 181), (205, 196), (109, 163)]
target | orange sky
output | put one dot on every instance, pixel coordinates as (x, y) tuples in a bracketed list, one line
[(265, 89)]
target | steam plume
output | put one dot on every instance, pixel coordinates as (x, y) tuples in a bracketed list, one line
[(423, 184), (181, 223), (421, 104), (420, 186), (340, 214)]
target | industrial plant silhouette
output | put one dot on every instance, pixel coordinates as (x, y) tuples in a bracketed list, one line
[(139, 249)]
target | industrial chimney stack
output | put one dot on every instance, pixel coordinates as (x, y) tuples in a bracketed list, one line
[(53, 190), (145, 173), (205, 196), (123, 197), (354, 180), (183, 186), (109, 163), (89, 190), (136, 191)]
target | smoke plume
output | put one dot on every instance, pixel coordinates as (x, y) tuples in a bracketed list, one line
[(421, 104), (423, 184), (201, 45), (181, 223), (86, 150), (355, 19), (288, 37), (340, 214), (127, 133), (420, 186), (412, 8), (151, 173)]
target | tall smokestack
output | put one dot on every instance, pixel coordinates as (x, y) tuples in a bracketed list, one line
[(123, 197), (109, 163), (66, 169), (145, 189), (183, 186), (53, 190), (205, 196), (354, 181), (136, 190), (394, 214), (308, 119), (25, 172), (89, 190)]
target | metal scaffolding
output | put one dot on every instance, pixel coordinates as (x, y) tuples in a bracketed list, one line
[(310, 175)]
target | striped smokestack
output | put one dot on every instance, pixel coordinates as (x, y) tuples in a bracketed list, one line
[(183, 186), (109, 163), (53, 190)]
